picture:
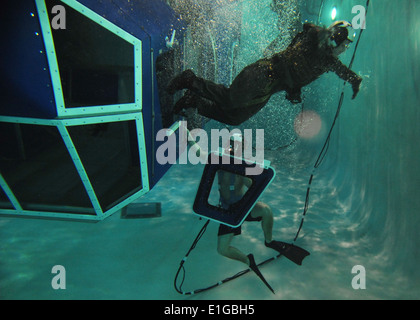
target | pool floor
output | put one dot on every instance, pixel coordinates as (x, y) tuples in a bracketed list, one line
[(138, 258)]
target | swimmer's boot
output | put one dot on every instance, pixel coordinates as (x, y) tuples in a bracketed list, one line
[(182, 81), (290, 251), (294, 95), (254, 268)]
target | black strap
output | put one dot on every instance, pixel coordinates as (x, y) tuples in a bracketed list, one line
[(237, 275), (326, 145), (181, 265)]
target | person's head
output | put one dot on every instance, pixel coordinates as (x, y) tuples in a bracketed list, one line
[(339, 39), (235, 144)]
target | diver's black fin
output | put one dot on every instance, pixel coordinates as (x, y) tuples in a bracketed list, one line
[(254, 268), (290, 251)]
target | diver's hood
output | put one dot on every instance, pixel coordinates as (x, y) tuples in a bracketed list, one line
[(339, 33)]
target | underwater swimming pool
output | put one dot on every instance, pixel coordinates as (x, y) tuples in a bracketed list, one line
[(363, 207)]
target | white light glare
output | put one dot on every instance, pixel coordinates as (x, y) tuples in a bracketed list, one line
[(334, 13)]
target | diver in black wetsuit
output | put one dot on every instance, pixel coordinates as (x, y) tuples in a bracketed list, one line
[(311, 53)]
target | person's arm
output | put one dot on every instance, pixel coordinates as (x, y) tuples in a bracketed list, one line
[(247, 182), (347, 75), (224, 185)]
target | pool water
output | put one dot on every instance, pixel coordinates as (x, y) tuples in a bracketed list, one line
[(363, 205)]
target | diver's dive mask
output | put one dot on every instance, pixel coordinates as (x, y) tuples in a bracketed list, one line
[(340, 33)]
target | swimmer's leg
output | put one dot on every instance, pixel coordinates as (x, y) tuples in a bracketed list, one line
[(225, 249), (204, 88)]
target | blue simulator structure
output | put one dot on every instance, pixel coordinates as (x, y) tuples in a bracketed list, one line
[(81, 104)]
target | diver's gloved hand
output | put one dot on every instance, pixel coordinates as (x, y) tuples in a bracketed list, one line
[(355, 84)]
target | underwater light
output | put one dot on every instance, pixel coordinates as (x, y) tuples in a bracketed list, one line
[(334, 13), (308, 124)]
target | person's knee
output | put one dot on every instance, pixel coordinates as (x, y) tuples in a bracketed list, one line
[(222, 250), (266, 212), (269, 212), (222, 246)]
